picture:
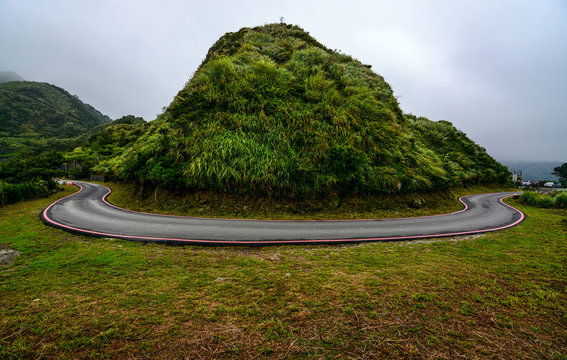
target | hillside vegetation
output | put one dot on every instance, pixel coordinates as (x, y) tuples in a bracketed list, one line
[(272, 112), (105, 142), (25, 177), (38, 117)]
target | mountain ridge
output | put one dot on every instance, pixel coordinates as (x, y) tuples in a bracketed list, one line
[(35, 114)]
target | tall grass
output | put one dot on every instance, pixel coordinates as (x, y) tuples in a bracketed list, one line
[(549, 200), (12, 193)]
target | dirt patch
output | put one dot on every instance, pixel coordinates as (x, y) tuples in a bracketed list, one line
[(7, 256)]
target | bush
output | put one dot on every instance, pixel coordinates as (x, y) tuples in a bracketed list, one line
[(529, 198), (25, 177), (561, 200), (12, 193), (348, 166), (549, 200)]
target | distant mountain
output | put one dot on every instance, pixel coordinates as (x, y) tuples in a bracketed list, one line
[(39, 116), (534, 170), (6, 76)]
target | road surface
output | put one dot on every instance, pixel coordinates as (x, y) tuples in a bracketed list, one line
[(87, 212)]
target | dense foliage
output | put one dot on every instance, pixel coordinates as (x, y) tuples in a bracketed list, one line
[(273, 112), (104, 143), (549, 200), (39, 117), (561, 172), (463, 160), (24, 177)]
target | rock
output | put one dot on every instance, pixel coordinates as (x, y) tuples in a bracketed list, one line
[(417, 203), (7, 256)]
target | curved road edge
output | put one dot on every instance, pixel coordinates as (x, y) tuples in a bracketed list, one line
[(179, 241)]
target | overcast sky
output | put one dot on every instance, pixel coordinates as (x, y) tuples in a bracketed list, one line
[(497, 69)]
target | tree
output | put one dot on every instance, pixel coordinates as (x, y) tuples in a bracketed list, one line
[(561, 171), (27, 168)]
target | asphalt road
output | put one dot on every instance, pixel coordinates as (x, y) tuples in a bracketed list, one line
[(87, 212)]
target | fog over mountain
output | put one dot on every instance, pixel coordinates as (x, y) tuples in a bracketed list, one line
[(7, 76), (495, 69)]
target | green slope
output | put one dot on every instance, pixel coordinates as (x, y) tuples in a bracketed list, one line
[(271, 111), (38, 116), (106, 142)]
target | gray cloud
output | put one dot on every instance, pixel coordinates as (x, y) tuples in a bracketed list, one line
[(495, 69)]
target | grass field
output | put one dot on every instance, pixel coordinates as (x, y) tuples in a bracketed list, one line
[(492, 296)]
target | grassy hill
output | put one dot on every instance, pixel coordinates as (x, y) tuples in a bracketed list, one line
[(38, 116), (106, 142), (273, 112)]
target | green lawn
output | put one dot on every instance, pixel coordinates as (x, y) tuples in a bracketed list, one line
[(498, 295)]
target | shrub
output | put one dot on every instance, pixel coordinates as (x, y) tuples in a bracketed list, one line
[(549, 200), (12, 193), (561, 200)]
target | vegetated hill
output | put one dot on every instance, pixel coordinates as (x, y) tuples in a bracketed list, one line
[(271, 111), (106, 141), (6, 76), (38, 116)]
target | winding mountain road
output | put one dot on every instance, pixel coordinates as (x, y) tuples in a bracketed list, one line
[(87, 212)]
